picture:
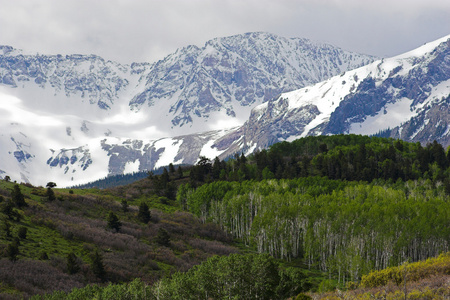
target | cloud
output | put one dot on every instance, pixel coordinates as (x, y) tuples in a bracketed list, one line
[(140, 30)]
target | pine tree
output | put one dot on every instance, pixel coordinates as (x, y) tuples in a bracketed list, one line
[(17, 197), (12, 251), (8, 209), (22, 233), (180, 172), (72, 264), (144, 213), (50, 194), (124, 205), (163, 237), (164, 178), (97, 266), (6, 227), (171, 169), (113, 222), (216, 168)]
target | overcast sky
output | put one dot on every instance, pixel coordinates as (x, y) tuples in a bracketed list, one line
[(147, 30)]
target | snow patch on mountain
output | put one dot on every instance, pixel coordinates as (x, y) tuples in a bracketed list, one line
[(393, 114)]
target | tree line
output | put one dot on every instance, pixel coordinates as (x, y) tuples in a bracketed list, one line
[(345, 157)]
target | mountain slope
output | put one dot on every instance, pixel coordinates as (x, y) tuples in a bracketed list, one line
[(77, 118), (228, 76), (407, 96)]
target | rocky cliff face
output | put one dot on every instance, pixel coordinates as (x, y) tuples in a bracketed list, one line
[(98, 81)]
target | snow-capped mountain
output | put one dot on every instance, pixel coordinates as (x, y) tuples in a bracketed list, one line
[(76, 118), (228, 76), (407, 97)]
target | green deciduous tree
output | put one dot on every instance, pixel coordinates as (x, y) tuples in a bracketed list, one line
[(247, 277), (51, 184)]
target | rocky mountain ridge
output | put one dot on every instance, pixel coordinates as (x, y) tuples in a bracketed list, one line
[(404, 97), (230, 75)]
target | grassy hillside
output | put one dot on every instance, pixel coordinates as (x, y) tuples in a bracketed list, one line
[(76, 223)]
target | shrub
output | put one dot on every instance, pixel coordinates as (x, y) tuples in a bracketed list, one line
[(43, 255), (415, 271)]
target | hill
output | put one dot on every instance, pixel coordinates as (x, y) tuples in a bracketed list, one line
[(51, 243)]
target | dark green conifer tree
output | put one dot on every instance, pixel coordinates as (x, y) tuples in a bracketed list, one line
[(12, 251), (22, 232), (17, 197), (6, 227), (72, 264), (124, 205), (165, 178), (180, 172), (97, 266), (8, 209), (171, 169), (144, 213), (216, 168), (50, 194), (163, 237), (113, 222)]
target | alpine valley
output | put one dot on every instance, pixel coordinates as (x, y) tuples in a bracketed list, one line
[(73, 119)]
